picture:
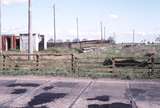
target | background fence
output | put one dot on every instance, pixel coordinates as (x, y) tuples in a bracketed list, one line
[(125, 67)]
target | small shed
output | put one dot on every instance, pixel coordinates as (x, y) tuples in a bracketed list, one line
[(38, 42), (10, 42), (20, 42)]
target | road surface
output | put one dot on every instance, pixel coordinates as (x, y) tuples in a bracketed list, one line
[(51, 92)]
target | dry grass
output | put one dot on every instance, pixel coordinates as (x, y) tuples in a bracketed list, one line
[(92, 62)]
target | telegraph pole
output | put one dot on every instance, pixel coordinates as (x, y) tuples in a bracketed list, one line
[(101, 31), (104, 33), (78, 40), (54, 15), (30, 50), (114, 34), (133, 36), (77, 23), (1, 50)]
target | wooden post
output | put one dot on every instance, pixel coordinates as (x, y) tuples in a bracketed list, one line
[(72, 63), (37, 62), (152, 65), (80, 45), (113, 65), (77, 66), (4, 62)]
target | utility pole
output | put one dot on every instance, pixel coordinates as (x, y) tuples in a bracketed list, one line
[(78, 40), (30, 50), (114, 34), (1, 44), (77, 23), (133, 40), (101, 31), (54, 15), (104, 33), (133, 36)]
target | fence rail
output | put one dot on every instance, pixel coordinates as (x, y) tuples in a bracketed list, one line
[(79, 65), (146, 66), (38, 62)]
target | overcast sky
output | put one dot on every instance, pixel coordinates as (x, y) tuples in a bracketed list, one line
[(119, 16)]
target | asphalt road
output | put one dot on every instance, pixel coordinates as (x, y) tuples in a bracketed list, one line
[(50, 92)]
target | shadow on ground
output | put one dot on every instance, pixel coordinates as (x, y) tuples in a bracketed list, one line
[(23, 85), (100, 98), (65, 84), (136, 92), (48, 88), (44, 98), (113, 105), (19, 91)]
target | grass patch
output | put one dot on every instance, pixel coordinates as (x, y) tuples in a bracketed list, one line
[(128, 74)]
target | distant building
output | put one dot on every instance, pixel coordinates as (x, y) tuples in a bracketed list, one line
[(38, 42), (20, 42), (50, 41), (10, 42)]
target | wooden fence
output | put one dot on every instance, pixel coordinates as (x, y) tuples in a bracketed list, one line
[(147, 66), (70, 63), (63, 62)]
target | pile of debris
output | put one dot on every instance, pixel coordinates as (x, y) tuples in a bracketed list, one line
[(125, 62)]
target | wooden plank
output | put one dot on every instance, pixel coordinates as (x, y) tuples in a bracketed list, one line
[(41, 54)]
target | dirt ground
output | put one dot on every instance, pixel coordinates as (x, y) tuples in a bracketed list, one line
[(58, 92)]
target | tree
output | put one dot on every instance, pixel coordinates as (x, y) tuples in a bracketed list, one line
[(111, 40), (59, 41), (84, 39), (158, 39), (76, 40), (68, 40)]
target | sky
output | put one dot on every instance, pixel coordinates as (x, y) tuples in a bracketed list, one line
[(119, 17)]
